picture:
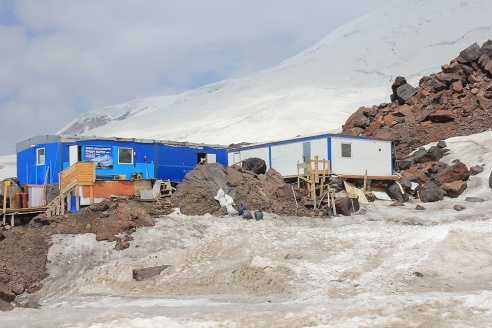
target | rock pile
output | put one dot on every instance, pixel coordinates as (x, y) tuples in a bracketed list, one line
[(454, 102), (436, 179)]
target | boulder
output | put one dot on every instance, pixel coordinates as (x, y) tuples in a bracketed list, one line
[(18, 288), (458, 171), (470, 54), (5, 306), (395, 192), (404, 92), (6, 296), (455, 188), (441, 144), (346, 206), (430, 192), (147, 273), (358, 119), (434, 154), (404, 164), (255, 165), (474, 170)]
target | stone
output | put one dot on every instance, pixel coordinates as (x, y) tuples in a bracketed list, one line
[(458, 208), (470, 54), (457, 171), (104, 214), (474, 199), (4, 278), (347, 206), (441, 144), (395, 193), (255, 165), (476, 169), (147, 273), (99, 207), (430, 192), (404, 164), (18, 288), (419, 207), (455, 188), (490, 180), (404, 92), (5, 306), (121, 245), (434, 154), (387, 134), (6, 296), (34, 287)]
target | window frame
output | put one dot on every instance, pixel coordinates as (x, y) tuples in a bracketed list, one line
[(38, 162), (131, 156), (343, 148)]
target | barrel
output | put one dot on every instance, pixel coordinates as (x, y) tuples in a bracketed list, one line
[(24, 198), (18, 200)]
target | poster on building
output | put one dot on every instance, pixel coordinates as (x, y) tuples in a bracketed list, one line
[(103, 156)]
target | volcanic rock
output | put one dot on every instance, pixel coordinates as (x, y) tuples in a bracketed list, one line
[(474, 170), (457, 171), (256, 165), (474, 199), (458, 208), (346, 205), (430, 192), (147, 273), (455, 188)]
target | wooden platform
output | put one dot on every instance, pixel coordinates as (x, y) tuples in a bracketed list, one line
[(12, 212)]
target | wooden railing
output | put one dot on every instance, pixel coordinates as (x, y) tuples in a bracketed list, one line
[(78, 174)]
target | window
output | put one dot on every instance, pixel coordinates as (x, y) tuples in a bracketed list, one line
[(40, 157), (346, 150), (125, 155)]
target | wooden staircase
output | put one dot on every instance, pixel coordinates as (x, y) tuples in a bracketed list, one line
[(78, 174)]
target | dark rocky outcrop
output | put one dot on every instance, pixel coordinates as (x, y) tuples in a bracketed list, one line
[(255, 164), (347, 206)]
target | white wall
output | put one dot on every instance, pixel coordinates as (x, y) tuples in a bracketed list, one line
[(371, 155), (263, 153), (285, 157)]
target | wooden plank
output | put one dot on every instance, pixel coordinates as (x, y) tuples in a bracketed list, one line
[(372, 177)]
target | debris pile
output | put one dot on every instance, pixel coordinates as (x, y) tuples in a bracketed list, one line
[(454, 102), (268, 192)]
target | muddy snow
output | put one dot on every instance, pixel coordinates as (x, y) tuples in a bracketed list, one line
[(388, 266)]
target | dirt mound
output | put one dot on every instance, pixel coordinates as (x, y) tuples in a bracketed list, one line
[(268, 192), (454, 102), (24, 248)]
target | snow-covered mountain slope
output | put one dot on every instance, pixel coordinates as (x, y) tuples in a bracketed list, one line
[(8, 167), (314, 91)]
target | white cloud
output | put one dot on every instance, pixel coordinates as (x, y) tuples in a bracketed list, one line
[(61, 58)]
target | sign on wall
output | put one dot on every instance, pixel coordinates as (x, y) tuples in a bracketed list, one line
[(103, 156)]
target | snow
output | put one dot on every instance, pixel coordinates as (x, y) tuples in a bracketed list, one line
[(8, 166), (286, 271), (316, 90)]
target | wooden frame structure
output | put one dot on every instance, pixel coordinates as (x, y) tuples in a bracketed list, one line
[(315, 177)]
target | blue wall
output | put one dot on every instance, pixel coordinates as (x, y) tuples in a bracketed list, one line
[(28, 171), (110, 148), (152, 160), (176, 161)]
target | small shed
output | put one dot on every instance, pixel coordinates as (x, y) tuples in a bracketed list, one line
[(41, 159), (350, 156)]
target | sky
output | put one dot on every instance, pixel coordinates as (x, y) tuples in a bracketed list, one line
[(59, 59)]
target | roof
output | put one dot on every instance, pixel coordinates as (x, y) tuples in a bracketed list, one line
[(302, 138), (45, 139)]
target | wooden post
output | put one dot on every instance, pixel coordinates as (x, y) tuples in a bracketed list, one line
[(333, 204), (77, 194), (12, 219), (365, 183), (91, 191)]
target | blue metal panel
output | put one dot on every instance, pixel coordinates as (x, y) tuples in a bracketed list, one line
[(174, 162), (143, 158), (270, 156), (328, 141), (28, 171)]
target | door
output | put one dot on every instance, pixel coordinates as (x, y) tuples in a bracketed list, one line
[(73, 154), (306, 153)]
